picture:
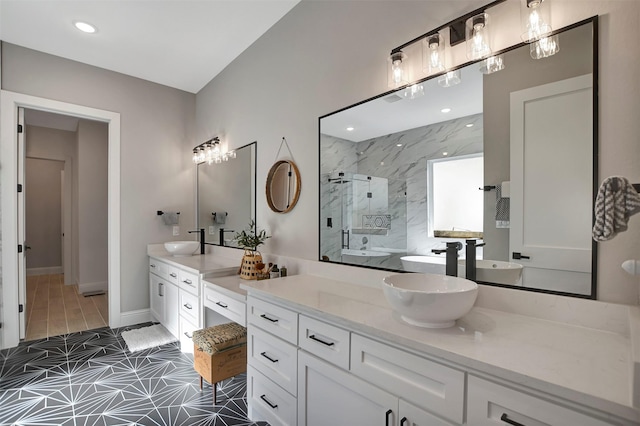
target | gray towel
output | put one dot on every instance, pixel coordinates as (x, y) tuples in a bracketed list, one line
[(220, 217), (170, 218), (616, 201), (503, 206)]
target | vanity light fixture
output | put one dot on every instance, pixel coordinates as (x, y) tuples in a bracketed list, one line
[(397, 70), (85, 27), (492, 64), (210, 152), (478, 36), (450, 79), (535, 16), (545, 47), (414, 91), (433, 54)]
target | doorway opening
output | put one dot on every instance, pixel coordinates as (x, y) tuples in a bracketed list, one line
[(13, 241), (65, 191)]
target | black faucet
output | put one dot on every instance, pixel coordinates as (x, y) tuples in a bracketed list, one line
[(201, 231), (470, 262), (452, 257), (222, 231)]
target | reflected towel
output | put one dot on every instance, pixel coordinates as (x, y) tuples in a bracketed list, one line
[(503, 206), (220, 217), (616, 201), (170, 218)]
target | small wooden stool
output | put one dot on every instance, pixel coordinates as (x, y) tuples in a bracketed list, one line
[(219, 353)]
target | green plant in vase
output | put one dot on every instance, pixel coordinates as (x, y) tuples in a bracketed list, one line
[(250, 238)]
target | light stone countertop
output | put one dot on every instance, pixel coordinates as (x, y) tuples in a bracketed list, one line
[(198, 263), (588, 366), (229, 286)]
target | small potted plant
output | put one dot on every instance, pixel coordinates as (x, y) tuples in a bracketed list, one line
[(250, 238)]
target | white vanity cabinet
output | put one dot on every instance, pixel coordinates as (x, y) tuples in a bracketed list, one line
[(272, 380), (163, 294)]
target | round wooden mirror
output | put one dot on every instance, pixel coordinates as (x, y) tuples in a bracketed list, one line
[(283, 186)]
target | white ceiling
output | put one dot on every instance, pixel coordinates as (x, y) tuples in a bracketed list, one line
[(178, 43), (394, 112)]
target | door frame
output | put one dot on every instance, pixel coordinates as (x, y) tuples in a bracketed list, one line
[(9, 103)]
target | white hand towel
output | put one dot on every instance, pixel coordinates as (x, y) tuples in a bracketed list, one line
[(616, 201)]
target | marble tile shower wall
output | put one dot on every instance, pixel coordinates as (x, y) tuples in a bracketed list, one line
[(405, 167)]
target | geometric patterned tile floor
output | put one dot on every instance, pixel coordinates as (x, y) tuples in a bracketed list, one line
[(90, 378)]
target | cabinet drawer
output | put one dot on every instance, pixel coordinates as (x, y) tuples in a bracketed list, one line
[(488, 402), (172, 274), (410, 415), (325, 341), (274, 358), (225, 305), (189, 307), (274, 319), (159, 268), (267, 401), (186, 335), (188, 282), (427, 384)]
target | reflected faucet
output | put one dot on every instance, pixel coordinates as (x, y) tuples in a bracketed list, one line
[(452, 257), (222, 231), (470, 263), (201, 231)]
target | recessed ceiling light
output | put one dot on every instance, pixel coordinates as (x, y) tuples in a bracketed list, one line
[(445, 110), (398, 144), (85, 27), (470, 125), (445, 153), (350, 129)]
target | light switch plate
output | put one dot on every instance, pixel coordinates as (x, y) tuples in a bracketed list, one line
[(211, 229), (176, 230)]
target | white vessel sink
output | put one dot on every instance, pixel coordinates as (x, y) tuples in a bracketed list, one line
[(424, 264), (429, 300), (494, 271), (181, 248)]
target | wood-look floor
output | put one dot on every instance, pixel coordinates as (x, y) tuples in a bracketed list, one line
[(54, 308)]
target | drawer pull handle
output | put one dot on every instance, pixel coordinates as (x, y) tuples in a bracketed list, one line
[(152, 265), (403, 421), (189, 336), (264, 354), (387, 417), (506, 419), (160, 292), (264, 398), (188, 306), (173, 275), (187, 281), (313, 337), (222, 305), (268, 319)]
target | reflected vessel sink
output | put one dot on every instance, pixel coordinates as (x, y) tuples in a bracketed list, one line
[(181, 248), (494, 271), (425, 264), (429, 300)]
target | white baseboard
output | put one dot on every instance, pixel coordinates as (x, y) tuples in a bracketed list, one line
[(44, 271), (135, 317), (91, 287)]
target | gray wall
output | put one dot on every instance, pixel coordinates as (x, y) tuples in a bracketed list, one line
[(92, 205), (156, 172), (323, 56), (43, 201)]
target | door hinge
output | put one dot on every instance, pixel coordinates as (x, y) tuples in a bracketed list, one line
[(19, 128), (20, 307), (19, 248), (19, 187)]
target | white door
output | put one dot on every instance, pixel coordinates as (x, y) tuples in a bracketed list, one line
[(551, 198), (22, 245)]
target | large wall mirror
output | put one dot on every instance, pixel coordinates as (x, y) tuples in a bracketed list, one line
[(227, 196), (508, 157)]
